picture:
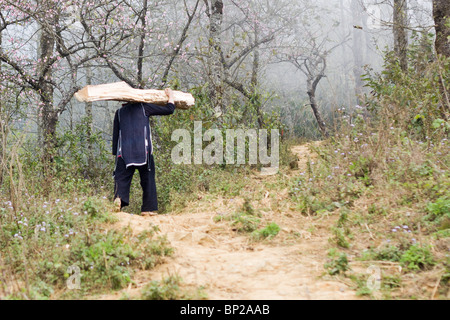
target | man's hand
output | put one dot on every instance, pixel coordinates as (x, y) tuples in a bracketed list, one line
[(169, 93)]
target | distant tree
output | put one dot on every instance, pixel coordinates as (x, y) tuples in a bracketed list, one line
[(260, 25), (358, 47), (400, 24), (214, 11), (314, 68), (308, 49), (232, 39)]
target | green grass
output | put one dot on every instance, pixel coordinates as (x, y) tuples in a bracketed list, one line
[(417, 258), (337, 263), (268, 232)]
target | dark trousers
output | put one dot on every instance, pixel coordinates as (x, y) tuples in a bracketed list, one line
[(123, 177)]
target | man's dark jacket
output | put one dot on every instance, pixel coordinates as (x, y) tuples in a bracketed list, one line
[(132, 138)]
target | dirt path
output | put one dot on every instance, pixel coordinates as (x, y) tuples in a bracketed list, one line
[(228, 265)]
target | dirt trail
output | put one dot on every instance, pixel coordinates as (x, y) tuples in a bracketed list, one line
[(228, 265)]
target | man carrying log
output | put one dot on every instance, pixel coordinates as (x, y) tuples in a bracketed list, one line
[(133, 148)]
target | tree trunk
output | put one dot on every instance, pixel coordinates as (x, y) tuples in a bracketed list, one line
[(441, 15), (141, 48), (49, 114), (312, 86), (256, 96), (357, 48), (2, 130), (89, 120), (215, 60), (400, 32), (344, 74)]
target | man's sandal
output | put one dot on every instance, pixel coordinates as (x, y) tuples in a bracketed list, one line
[(117, 204), (149, 214)]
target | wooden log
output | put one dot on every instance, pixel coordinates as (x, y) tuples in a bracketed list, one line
[(121, 91)]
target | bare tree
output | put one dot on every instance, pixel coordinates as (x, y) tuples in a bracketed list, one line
[(309, 49), (251, 91), (251, 30), (313, 64), (314, 69)]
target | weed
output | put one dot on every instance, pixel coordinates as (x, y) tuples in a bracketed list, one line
[(391, 282), (337, 263), (417, 258), (245, 223), (170, 289), (385, 253), (96, 209), (269, 232), (247, 207), (339, 237), (376, 210), (167, 289), (439, 213)]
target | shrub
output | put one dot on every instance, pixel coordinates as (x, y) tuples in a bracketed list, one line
[(337, 263), (269, 231), (388, 253), (170, 289), (167, 289), (417, 258), (245, 223), (339, 237)]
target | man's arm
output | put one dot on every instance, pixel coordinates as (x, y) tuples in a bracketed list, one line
[(156, 110), (115, 140)]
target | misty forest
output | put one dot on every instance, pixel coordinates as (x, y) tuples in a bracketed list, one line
[(356, 91)]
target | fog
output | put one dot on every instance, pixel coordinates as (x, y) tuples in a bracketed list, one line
[(269, 47), (362, 32)]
